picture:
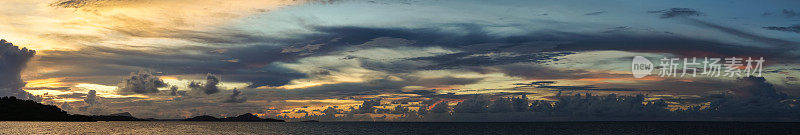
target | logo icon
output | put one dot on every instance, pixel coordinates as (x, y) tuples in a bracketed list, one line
[(641, 67)]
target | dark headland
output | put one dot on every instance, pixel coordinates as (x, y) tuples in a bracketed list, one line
[(13, 109)]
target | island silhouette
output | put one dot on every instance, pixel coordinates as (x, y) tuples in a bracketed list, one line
[(14, 109), (247, 117)]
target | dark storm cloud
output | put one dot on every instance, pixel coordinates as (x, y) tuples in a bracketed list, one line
[(444, 81), (256, 61), (270, 75), (142, 82), (677, 12), (209, 87), (480, 49), (12, 61), (459, 60), (526, 46), (329, 40), (404, 66), (111, 61), (595, 13), (794, 28), (532, 71), (333, 40), (472, 34)]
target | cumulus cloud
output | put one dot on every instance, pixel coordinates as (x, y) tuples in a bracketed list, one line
[(753, 96), (235, 97), (91, 98), (142, 82), (12, 61), (209, 87), (173, 91)]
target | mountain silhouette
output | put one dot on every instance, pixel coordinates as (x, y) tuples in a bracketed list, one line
[(247, 117), (125, 116)]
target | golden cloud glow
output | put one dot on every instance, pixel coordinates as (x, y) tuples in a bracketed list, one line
[(49, 82), (70, 24)]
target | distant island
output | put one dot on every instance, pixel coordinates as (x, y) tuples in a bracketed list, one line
[(248, 117), (13, 109), (126, 116)]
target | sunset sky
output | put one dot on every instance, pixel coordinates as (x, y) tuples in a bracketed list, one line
[(276, 57)]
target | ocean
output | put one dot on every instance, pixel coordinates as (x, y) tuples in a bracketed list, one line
[(375, 128)]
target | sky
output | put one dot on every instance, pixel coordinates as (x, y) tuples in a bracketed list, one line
[(183, 58)]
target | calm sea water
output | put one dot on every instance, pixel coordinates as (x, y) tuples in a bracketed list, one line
[(150, 128)]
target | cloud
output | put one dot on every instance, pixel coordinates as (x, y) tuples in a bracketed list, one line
[(173, 91), (756, 87), (589, 88), (47, 88), (753, 96), (88, 3), (91, 98), (685, 12), (535, 71), (681, 46), (371, 87), (794, 28), (12, 61), (235, 97), (142, 82), (677, 12), (444, 81), (209, 87), (271, 75), (259, 63), (480, 52), (788, 13), (736, 32), (595, 13)]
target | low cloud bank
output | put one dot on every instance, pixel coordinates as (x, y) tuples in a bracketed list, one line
[(754, 99)]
